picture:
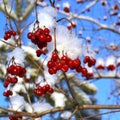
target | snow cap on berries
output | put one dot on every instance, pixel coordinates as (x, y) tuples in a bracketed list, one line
[(66, 4), (67, 43), (110, 60), (18, 54), (100, 61), (17, 102), (46, 18)]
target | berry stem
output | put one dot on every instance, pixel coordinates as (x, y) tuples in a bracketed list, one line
[(55, 48)]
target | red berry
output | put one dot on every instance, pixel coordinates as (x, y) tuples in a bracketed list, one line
[(48, 38), (66, 9), (84, 71), (29, 35), (76, 63), (64, 68), (46, 31), (58, 65), (47, 86), (71, 64), (79, 69), (55, 56), (86, 59), (50, 64), (39, 52), (64, 58), (42, 38), (51, 90), (51, 71)]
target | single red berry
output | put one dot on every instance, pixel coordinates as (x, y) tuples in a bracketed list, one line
[(51, 90), (29, 35), (39, 52), (42, 38), (55, 56), (48, 38), (76, 62), (47, 87), (86, 59), (46, 31), (71, 64), (13, 33), (79, 69), (64, 58), (58, 65), (51, 71), (64, 68), (84, 71), (50, 64), (66, 9)]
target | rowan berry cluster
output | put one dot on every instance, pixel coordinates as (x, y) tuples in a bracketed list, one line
[(42, 90), (40, 38), (15, 117), (9, 34), (65, 63), (13, 71), (91, 61), (16, 70)]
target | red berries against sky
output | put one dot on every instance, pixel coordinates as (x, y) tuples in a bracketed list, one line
[(13, 71), (9, 34), (40, 38), (42, 90)]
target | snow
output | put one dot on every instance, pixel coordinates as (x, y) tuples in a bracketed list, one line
[(41, 106), (18, 55), (59, 99), (17, 102), (66, 115), (66, 43)]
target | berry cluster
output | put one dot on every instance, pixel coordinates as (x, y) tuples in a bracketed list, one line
[(15, 117), (65, 63), (8, 93), (16, 70), (13, 71), (42, 90), (40, 38), (8, 34), (91, 61), (9, 80)]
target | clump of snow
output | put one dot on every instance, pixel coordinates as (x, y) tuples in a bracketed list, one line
[(66, 43), (17, 102), (88, 51), (18, 55), (30, 51), (50, 79), (66, 115), (19, 87), (66, 4), (46, 18), (28, 108), (41, 106), (100, 61), (110, 60), (59, 99)]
